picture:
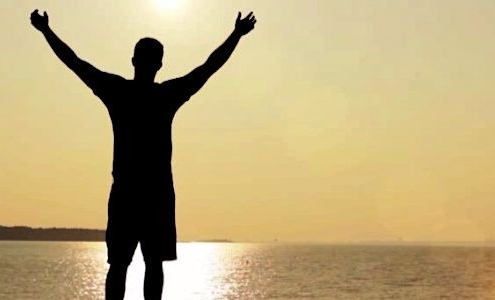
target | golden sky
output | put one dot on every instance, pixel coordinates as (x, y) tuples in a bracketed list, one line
[(334, 120)]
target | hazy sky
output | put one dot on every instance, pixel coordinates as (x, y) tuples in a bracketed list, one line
[(334, 120)]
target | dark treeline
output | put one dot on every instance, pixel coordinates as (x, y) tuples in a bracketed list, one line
[(23, 233)]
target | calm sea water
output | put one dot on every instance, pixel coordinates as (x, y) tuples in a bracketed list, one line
[(73, 270)]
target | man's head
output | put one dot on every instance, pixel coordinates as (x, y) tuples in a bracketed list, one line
[(148, 54)]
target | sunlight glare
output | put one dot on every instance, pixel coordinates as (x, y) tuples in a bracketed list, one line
[(169, 5), (203, 271)]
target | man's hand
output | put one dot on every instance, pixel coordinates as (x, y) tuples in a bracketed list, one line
[(39, 22), (244, 26)]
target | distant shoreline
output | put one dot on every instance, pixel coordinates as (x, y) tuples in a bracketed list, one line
[(53, 234), (25, 233)]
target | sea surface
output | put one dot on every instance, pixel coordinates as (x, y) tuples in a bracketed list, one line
[(76, 270)]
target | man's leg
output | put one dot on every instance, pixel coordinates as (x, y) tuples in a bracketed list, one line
[(121, 239), (115, 283), (158, 236), (153, 280)]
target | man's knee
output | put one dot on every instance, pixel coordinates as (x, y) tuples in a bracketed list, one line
[(118, 268), (153, 263), (154, 266)]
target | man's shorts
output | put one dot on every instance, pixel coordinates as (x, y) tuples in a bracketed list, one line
[(141, 213)]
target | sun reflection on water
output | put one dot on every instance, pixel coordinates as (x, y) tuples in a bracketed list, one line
[(230, 271), (203, 271)]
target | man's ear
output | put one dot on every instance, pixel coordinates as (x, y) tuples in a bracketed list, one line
[(159, 66), (133, 61)]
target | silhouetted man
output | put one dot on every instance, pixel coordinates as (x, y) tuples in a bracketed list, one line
[(141, 206)]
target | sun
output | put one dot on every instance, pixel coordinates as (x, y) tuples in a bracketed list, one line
[(170, 5)]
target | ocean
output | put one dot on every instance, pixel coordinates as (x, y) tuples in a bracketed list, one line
[(76, 270)]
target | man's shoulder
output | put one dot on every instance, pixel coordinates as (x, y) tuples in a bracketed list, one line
[(112, 81), (178, 85), (117, 79), (109, 86), (176, 88), (172, 83)]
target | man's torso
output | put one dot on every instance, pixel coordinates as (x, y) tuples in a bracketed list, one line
[(142, 116)]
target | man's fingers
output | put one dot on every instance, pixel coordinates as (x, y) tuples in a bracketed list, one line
[(45, 14), (248, 21)]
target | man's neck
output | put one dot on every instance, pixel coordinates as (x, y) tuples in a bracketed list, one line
[(144, 78)]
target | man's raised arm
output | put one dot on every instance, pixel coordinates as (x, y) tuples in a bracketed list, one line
[(198, 77), (90, 75)]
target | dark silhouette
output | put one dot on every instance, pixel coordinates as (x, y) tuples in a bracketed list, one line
[(141, 206)]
